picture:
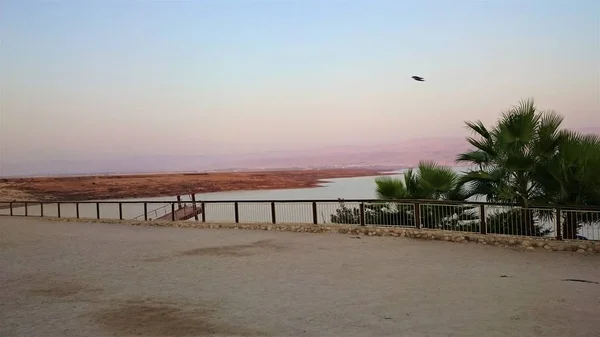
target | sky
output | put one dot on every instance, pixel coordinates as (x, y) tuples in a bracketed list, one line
[(98, 79)]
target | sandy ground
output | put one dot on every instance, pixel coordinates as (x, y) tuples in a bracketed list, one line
[(82, 279), (77, 188)]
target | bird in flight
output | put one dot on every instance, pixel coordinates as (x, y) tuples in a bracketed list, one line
[(417, 78)]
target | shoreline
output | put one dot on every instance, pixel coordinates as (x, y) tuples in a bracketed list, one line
[(131, 186)]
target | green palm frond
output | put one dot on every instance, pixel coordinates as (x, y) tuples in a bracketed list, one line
[(390, 188), (437, 180), (413, 185), (479, 128), (474, 157)]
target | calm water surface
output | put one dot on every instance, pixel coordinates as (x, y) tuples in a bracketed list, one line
[(346, 188)]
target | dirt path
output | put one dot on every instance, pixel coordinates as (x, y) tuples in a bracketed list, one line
[(81, 279)]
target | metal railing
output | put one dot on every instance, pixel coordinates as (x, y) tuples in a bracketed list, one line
[(563, 222)]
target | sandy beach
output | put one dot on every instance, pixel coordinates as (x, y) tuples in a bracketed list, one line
[(157, 185)]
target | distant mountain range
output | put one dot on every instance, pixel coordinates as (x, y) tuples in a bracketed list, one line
[(384, 156)]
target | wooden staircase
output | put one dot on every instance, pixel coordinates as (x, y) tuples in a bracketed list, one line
[(184, 213)]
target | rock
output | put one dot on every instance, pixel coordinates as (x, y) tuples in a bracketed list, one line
[(530, 248), (580, 250), (559, 248), (480, 241), (582, 246), (512, 242), (597, 247), (546, 247), (526, 243), (539, 244)]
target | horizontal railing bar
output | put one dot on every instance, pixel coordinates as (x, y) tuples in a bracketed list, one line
[(265, 201)]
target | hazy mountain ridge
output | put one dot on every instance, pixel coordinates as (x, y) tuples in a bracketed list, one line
[(392, 155)]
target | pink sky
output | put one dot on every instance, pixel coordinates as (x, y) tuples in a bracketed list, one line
[(98, 80)]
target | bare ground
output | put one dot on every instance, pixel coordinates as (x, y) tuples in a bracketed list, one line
[(77, 188), (82, 279)]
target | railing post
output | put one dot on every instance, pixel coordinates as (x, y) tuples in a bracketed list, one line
[(145, 211), (559, 234), (98, 210), (273, 216), (236, 212), (26, 210), (58, 210), (362, 213), (41, 209), (77, 210), (10, 205), (203, 211), (314, 212), (417, 215), (482, 223), (120, 211), (195, 211), (172, 211), (194, 206)]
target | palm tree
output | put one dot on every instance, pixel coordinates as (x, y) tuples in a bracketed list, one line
[(526, 159), (572, 178), (507, 154)]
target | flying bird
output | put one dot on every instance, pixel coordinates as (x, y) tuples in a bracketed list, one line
[(417, 78)]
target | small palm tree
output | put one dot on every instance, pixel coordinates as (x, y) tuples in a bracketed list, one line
[(430, 182)]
